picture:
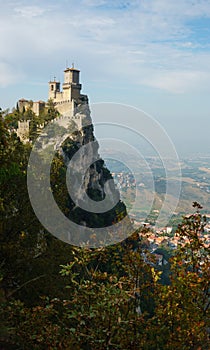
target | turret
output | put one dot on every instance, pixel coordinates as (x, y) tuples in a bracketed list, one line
[(71, 76), (54, 87), (69, 96), (71, 83)]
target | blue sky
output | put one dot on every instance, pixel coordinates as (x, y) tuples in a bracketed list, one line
[(151, 54)]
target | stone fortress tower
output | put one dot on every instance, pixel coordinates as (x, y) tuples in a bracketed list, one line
[(23, 130), (66, 100)]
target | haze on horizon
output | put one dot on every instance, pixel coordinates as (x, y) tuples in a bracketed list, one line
[(153, 55)]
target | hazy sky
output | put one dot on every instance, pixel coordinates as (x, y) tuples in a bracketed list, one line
[(151, 54)]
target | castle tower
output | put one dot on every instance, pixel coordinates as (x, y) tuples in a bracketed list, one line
[(23, 130), (64, 100), (71, 85), (54, 88)]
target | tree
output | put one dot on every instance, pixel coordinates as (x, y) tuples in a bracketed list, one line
[(115, 300), (50, 112), (30, 256), (182, 312)]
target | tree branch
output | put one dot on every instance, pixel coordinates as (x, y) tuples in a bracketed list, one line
[(25, 284)]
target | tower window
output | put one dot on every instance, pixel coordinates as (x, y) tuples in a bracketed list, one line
[(52, 87)]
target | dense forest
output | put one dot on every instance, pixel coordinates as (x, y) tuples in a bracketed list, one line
[(57, 296)]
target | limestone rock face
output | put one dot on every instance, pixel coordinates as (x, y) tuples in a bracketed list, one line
[(91, 186)]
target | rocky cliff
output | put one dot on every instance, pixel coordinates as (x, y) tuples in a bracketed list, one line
[(92, 200), (89, 176)]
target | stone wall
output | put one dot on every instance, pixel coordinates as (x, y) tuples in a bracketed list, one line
[(23, 130)]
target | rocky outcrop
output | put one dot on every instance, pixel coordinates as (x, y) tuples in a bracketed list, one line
[(95, 196)]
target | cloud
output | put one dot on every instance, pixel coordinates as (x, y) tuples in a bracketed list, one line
[(93, 3), (29, 11), (148, 41), (151, 53)]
